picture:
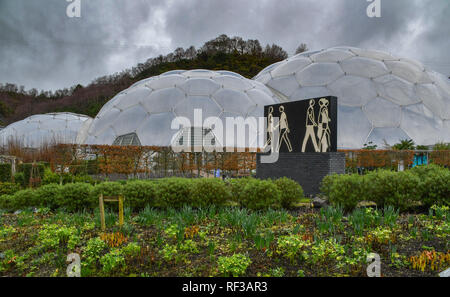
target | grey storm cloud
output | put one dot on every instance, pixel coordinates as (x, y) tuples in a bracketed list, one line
[(40, 47)]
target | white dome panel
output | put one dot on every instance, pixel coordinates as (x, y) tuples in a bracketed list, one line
[(163, 100), (389, 136), (318, 74), (391, 113), (287, 83), (233, 101), (123, 125), (353, 127), (364, 67), (107, 119), (132, 98), (373, 54), (232, 83), (418, 122), (291, 67), (200, 87), (353, 90), (332, 55), (310, 92), (156, 130), (397, 90), (408, 71), (164, 82)]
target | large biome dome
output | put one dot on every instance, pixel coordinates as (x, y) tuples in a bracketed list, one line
[(381, 98), (143, 113), (50, 128)]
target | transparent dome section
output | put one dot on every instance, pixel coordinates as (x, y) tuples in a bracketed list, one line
[(381, 98), (160, 111), (46, 129)]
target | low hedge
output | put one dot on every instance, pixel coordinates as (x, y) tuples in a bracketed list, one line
[(404, 190), (139, 194), (163, 193), (206, 192), (173, 192)]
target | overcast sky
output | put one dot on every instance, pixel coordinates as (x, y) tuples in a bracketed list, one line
[(40, 47)]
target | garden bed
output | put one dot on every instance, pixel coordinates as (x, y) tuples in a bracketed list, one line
[(226, 242)]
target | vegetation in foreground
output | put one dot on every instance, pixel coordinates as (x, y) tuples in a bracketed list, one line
[(216, 241)]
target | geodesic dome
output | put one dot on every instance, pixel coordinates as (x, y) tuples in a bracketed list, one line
[(143, 114), (50, 128), (380, 97)]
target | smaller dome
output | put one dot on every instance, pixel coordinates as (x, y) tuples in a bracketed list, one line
[(41, 129)]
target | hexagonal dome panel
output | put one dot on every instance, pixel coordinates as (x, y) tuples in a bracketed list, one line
[(42, 129), (380, 97), (149, 107)]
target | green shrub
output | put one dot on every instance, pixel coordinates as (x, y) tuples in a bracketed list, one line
[(291, 191), (138, 194), (5, 172), (398, 189), (23, 199), (435, 187), (49, 195), (8, 188), (343, 190), (77, 196), (207, 192), (237, 186), (173, 192), (261, 194)]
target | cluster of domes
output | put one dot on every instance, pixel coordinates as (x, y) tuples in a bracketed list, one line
[(381, 98)]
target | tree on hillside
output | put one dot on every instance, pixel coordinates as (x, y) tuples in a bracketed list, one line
[(301, 48)]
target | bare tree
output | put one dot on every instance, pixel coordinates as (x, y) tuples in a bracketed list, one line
[(301, 48)]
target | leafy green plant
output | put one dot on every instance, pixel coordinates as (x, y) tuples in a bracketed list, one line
[(51, 236), (112, 261), (235, 265), (93, 249), (292, 247)]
